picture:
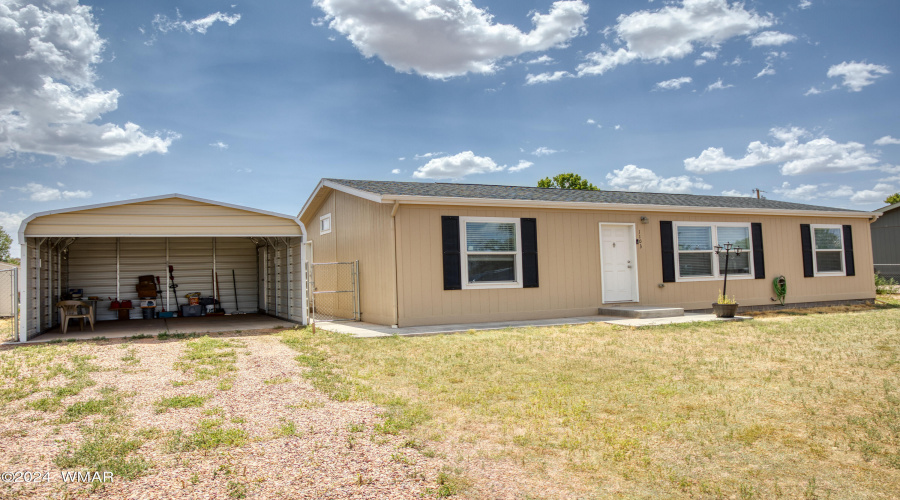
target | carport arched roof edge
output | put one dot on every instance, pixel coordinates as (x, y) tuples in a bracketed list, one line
[(27, 220)]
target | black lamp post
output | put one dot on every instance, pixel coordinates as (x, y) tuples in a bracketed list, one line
[(727, 248)]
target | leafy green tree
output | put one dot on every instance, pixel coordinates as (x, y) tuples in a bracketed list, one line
[(892, 199), (567, 181), (5, 243)]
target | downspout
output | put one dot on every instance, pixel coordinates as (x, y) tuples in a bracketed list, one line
[(396, 321)]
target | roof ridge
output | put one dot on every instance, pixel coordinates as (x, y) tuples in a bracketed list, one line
[(534, 193)]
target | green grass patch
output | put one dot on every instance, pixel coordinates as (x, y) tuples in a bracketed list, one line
[(286, 429), (105, 449), (208, 434), (277, 380), (176, 402), (110, 405), (207, 358)]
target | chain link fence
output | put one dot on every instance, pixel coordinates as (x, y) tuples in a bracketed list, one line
[(9, 304), (335, 291)]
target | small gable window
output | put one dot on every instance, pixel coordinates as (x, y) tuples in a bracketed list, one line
[(325, 224)]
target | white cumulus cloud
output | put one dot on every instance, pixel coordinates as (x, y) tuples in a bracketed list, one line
[(164, 24), (39, 192), (523, 164), (395, 171), (48, 101), (767, 71), (544, 59), (548, 77), (767, 38), (219, 145), (736, 194), (674, 83), (674, 32), (857, 75), (887, 140), (810, 192), (817, 155), (457, 166), (875, 195), (634, 178), (718, 85), (446, 38), (544, 151)]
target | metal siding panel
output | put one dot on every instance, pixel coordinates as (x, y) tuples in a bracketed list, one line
[(92, 267), (238, 254), (192, 260), (138, 257)]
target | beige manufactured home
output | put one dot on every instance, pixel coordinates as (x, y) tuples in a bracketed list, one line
[(436, 253), (103, 249)]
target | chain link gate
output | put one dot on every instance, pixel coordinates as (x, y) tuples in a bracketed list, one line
[(334, 291), (9, 304)]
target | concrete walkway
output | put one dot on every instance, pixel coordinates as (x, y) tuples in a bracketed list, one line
[(135, 327), (369, 330)]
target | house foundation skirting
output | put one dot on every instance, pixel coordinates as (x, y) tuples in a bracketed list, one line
[(798, 305)]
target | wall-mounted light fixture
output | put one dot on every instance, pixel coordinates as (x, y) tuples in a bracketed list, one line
[(645, 220)]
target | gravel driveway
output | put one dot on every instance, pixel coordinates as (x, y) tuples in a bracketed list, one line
[(297, 442)]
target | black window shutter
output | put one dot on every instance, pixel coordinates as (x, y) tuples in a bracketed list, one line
[(668, 251), (848, 251), (529, 253), (452, 263), (806, 244), (759, 261)]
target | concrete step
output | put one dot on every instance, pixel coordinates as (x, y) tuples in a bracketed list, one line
[(641, 311)]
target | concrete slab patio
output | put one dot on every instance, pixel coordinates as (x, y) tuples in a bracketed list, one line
[(369, 330), (131, 328)]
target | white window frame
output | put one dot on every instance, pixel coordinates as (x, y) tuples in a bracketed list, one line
[(322, 219), (715, 259), (464, 254), (812, 237)]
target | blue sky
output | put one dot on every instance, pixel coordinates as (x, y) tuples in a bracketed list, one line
[(253, 103)]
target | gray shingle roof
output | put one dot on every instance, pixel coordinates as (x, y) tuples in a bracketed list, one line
[(449, 190)]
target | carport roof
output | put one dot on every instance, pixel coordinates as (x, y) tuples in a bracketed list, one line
[(170, 215)]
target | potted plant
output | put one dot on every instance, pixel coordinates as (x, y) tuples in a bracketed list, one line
[(725, 307)]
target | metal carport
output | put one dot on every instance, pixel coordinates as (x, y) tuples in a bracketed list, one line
[(103, 248)]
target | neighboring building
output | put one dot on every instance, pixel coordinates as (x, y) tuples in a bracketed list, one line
[(886, 241), (434, 253), (8, 300)]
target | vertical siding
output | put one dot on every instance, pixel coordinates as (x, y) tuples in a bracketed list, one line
[(92, 267), (569, 266), (361, 230)]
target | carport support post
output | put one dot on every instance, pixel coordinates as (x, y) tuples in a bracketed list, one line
[(23, 292), (168, 279)]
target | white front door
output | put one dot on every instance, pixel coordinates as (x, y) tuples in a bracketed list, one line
[(618, 263)]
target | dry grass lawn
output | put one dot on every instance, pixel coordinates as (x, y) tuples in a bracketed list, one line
[(799, 404), (791, 406)]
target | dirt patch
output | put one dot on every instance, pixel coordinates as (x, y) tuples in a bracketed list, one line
[(260, 429)]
